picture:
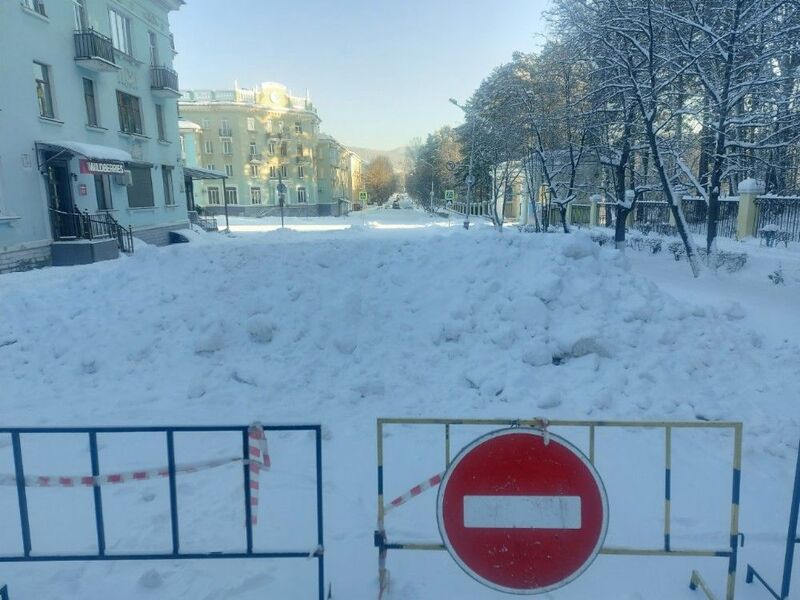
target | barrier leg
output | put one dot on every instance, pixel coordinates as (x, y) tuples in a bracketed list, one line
[(792, 539), (698, 582), (4, 593)]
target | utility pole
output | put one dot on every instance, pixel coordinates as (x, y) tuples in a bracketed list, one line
[(470, 181)]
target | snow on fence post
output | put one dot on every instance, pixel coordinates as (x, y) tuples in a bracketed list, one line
[(746, 220), (594, 199)]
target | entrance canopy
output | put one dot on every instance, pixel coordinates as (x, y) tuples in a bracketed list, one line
[(198, 173), (93, 152)]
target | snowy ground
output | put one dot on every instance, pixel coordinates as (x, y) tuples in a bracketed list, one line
[(391, 313)]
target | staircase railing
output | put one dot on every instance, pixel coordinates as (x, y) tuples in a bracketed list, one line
[(4, 593), (85, 226)]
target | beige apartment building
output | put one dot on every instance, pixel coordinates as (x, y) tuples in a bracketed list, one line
[(262, 136)]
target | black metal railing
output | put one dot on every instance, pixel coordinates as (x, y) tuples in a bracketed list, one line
[(581, 214), (163, 78), (778, 219), (205, 222), (255, 157), (225, 132), (695, 212), (91, 44), (650, 213), (85, 226)]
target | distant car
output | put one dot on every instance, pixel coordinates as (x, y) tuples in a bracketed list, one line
[(396, 204)]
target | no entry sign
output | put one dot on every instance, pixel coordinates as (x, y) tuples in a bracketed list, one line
[(522, 514)]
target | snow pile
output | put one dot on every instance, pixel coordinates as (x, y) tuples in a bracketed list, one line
[(345, 327)]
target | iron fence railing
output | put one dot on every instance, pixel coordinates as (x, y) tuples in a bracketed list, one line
[(779, 217), (91, 44), (205, 222), (581, 214), (695, 212), (606, 214), (650, 213), (82, 225)]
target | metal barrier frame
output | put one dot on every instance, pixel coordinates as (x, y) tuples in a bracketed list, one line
[(175, 554), (792, 539), (696, 581)]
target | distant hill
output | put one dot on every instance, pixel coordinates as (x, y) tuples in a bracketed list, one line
[(397, 156)]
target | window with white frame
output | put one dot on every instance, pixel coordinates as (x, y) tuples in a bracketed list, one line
[(301, 195), (253, 170), (169, 192), (229, 170), (231, 195), (227, 146), (120, 31), (213, 195), (251, 124), (273, 172), (255, 195), (90, 99), (36, 6), (79, 14), (208, 147), (300, 150), (284, 171), (271, 147), (253, 149), (44, 91), (298, 127), (301, 172), (206, 123), (269, 125), (210, 167)]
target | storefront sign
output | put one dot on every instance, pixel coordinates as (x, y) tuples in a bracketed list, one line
[(102, 168)]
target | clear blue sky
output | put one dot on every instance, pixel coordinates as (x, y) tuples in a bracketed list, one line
[(379, 72)]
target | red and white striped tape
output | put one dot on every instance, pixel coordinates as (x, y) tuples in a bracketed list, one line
[(414, 492), (259, 459)]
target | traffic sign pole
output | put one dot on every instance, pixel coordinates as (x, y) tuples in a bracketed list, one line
[(522, 511)]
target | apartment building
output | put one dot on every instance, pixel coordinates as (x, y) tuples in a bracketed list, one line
[(89, 151), (261, 137)]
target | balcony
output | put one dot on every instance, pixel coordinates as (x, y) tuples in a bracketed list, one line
[(225, 132), (164, 82), (94, 51), (255, 157)]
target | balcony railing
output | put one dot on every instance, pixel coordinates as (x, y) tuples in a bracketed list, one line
[(164, 80), (95, 51), (225, 132), (255, 157)]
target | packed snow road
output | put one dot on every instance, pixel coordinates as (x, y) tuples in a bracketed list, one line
[(388, 313)]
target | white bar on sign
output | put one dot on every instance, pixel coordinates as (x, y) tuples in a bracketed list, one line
[(522, 512)]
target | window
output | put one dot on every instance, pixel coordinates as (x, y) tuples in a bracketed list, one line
[(206, 123), (162, 135), (120, 31), (301, 172), (251, 124), (284, 149), (231, 195), (44, 93), (227, 146), (280, 126), (273, 172), (271, 147), (298, 127), (225, 127), (301, 195), (229, 170), (208, 147), (255, 195), (79, 12), (140, 194), (284, 171), (299, 149), (253, 170), (213, 195), (102, 190), (183, 146), (130, 113), (151, 36), (36, 6), (269, 126), (253, 149), (166, 177), (210, 167), (91, 103)]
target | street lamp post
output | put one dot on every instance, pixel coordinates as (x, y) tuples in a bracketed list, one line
[(281, 195), (433, 174), (470, 179)]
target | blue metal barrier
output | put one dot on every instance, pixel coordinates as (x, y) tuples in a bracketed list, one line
[(175, 554), (792, 539)]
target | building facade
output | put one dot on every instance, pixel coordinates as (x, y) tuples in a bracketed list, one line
[(88, 115), (259, 138)]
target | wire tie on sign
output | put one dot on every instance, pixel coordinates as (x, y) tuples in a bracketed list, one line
[(543, 424)]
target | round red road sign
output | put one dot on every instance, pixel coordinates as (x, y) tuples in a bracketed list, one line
[(520, 513)]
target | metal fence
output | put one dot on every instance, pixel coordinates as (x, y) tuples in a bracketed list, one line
[(606, 214), (4, 593), (778, 214), (581, 214), (695, 211), (384, 544), (651, 213), (171, 472)]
